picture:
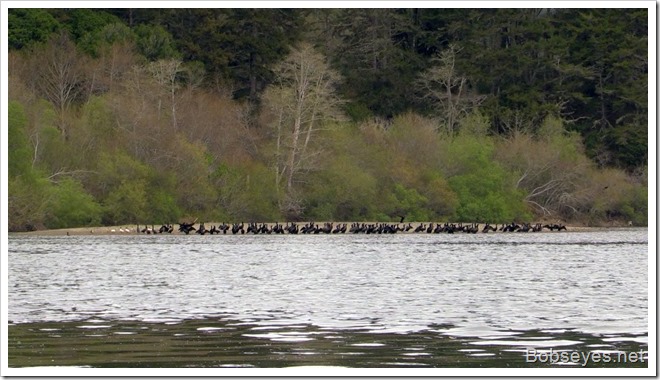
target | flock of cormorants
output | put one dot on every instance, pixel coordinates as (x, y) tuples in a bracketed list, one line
[(342, 228)]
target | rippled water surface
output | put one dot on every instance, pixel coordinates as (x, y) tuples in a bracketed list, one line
[(349, 300)]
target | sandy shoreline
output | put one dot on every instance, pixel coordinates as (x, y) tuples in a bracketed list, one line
[(133, 229)]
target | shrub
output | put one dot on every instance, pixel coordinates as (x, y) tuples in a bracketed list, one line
[(71, 206), (27, 203), (485, 197), (127, 203)]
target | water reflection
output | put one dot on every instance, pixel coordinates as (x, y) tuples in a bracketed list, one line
[(222, 342)]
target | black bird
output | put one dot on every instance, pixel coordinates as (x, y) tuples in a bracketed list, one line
[(236, 228), (186, 228), (292, 229)]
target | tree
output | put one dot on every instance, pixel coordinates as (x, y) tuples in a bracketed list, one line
[(19, 152), (127, 203), (260, 38), (610, 45), (165, 72), (302, 98), (115, 57), (447, 89), (111, 114), (82, 23), (59, 75), (71, 206), (237, 46), (154, 42), (86, 27), (369, 47), (548, 168), (483, 186), (28, 26), (28, 194)]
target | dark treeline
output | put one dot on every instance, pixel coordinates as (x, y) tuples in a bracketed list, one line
[(121, 116)]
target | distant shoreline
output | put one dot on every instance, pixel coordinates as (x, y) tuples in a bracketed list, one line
[(132, 230)]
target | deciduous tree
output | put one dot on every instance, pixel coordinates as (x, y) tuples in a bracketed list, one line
[(447, 89), (59, 75), (302, 99)]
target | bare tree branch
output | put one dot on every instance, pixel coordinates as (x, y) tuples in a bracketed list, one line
[(302, 98), (69, 173)]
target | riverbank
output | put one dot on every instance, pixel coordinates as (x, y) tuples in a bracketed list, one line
[(137, 230)]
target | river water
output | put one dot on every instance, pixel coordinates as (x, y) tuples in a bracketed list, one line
[(416, 300)]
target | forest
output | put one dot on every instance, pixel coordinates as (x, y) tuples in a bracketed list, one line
[(150, 116)]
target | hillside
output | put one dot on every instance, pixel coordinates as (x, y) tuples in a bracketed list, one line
[(152, 116)]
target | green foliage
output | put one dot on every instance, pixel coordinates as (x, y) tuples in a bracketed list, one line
[(81, 22), (414, 138), (615, 197), (343, 191), (27, 203), (442, 200), (366, 47), (636, 208), (154, 42), (631, 206), (244, 193), (102, 37), (133, 192), (55, 154), (258, 200), (162, 206), (229, 182), (86, 26), (19, 150), (126, 204), (552, 130), (358, 112), (71, 206), (566, 143), (590, 64), (116, 168), (485, 197), (484, 189), (511, 158), (467, 154), (116, 32), (97, 125), (410, 203), (629, 144), (611, 45), (475, 124), (27, 26), (192, 169), (44, 114)]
